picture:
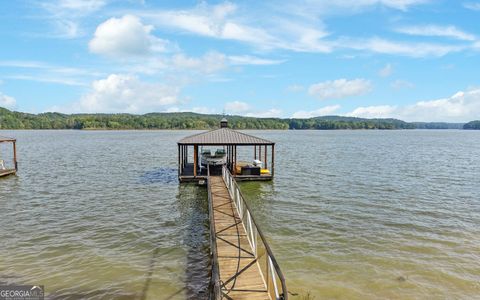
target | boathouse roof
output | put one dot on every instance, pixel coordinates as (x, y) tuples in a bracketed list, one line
[(223, 136)]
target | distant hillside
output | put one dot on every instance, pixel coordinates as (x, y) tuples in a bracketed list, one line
[(438, 125), (186, 120), (472, 125)]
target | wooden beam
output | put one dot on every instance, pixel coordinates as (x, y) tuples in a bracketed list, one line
[(179, 160), (255, 152)]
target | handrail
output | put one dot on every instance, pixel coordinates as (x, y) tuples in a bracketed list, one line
[(215, 285), (273, 275)]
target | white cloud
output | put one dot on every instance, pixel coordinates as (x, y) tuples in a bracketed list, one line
[(236, 107), (221, 22), (340, 88), (66, 15), (211, 21), (472, 5), (252, 60), (327, 110), (203, 110), (294, 88), (75, 6), (271, 113), (380, 111), (296, 28), (386, 71), (380, 45), (355, 5), (400, 84), (125, 36), (7, 101), (439, 31), (67, 29), (211, 62), (126, 93), (49, 79), (461, 107)]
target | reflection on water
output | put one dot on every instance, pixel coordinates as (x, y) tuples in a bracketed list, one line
[(350, 215)]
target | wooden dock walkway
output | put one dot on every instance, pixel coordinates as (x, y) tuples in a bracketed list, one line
[(244, 263), (7, 172)]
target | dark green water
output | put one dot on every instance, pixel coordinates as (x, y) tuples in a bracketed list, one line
[(350, 215)]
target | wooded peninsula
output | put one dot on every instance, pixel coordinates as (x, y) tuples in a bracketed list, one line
[(187, 120)]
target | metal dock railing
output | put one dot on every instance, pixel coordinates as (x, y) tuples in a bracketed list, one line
[(243, 265)]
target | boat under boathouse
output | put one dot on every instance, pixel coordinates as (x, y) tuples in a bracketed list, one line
[(247, 157), (9, 167)]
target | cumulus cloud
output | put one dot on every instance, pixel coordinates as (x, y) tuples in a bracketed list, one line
[(435, 30), (125, 36), (126, 93), (379, 111), (7, 101), (327, 110), (236, 107), (461, 107), (340, 88), (386, 71)]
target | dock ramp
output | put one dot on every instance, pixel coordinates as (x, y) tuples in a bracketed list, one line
[(243, 266)]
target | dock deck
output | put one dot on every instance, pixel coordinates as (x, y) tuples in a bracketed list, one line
[(244, 263)]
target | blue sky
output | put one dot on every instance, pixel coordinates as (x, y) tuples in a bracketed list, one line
[(416, 60)]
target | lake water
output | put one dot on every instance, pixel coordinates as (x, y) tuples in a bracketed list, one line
[(349, 215)]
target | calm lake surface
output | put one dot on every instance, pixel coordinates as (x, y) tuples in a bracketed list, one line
[(349, 215)]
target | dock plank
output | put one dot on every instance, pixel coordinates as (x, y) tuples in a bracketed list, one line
[(239, 270)]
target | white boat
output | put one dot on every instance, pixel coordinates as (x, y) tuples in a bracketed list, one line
[(217, 159)]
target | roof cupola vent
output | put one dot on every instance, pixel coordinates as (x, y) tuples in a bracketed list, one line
[(223, 123)]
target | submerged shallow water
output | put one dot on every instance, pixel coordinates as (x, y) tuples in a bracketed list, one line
[(349, 215)]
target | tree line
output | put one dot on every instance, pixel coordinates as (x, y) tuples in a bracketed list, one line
[(185, 120), (472, 125)]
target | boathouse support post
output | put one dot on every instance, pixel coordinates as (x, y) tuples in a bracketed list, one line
[(179, 160), (15, 156), (265, 157), (195, 152), (255, 152), (235, 160), (273, 159)]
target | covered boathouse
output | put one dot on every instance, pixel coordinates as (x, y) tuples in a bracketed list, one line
[(8, 167), (247, 157)]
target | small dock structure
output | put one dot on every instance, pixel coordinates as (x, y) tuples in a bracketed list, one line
[(221, 147), (8, 167), (243, 265)]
